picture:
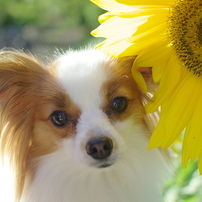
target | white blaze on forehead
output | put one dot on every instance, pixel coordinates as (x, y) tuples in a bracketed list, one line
[(82, 74)]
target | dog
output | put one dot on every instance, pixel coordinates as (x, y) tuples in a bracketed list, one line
[(75, 130)]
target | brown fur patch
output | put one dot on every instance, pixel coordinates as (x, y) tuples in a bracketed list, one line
[(121, 84)]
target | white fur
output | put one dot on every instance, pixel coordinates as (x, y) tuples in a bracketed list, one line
[(82, 75)]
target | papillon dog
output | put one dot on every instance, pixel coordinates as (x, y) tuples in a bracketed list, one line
[(75, 130)]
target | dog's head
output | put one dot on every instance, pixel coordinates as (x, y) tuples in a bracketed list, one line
[(86, 104), (107, 102)]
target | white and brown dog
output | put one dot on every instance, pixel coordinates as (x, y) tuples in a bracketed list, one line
[(76, 131)]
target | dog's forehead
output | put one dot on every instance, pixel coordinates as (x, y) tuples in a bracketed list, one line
[(82, 74)]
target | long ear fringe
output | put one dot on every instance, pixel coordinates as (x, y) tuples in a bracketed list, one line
[(15, 144), (15, 134), (18, 72)]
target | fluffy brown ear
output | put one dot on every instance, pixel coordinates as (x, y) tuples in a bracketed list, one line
[(127, 62), (21, 81)]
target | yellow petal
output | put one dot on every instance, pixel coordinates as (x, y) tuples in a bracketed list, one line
[(170, 80), (149, 35), (157, 72), (139, 45), (123, 28), (104, 17), (181, 111), (193, 137), (137, 12), (132, 46), (121, 47), (155, 54), (112, 5), (139, 80), (147, 2), (178, 112), (114, 47), (136, 48), (154, 22)]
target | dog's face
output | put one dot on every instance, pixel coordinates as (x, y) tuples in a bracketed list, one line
[(86, 105), (93, 115)]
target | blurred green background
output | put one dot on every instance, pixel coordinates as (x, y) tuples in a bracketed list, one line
[(185, 185), (44, 25)]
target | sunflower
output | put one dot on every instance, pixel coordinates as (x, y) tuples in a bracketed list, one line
[(167, 36)]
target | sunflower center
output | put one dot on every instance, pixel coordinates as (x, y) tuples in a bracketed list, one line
[(185, 33), (200, 32)]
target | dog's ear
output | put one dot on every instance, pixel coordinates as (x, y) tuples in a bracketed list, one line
[(146, 72), (21, 81), (126, 63)]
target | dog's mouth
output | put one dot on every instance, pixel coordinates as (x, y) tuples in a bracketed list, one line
[(104, 165)]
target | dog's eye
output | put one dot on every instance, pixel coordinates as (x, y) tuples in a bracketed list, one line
[(119, 104), (59, 118)]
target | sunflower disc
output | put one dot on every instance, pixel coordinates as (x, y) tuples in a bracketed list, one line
[(185, 33)]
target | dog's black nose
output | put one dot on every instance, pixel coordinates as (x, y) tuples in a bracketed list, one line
[(99, 148)]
